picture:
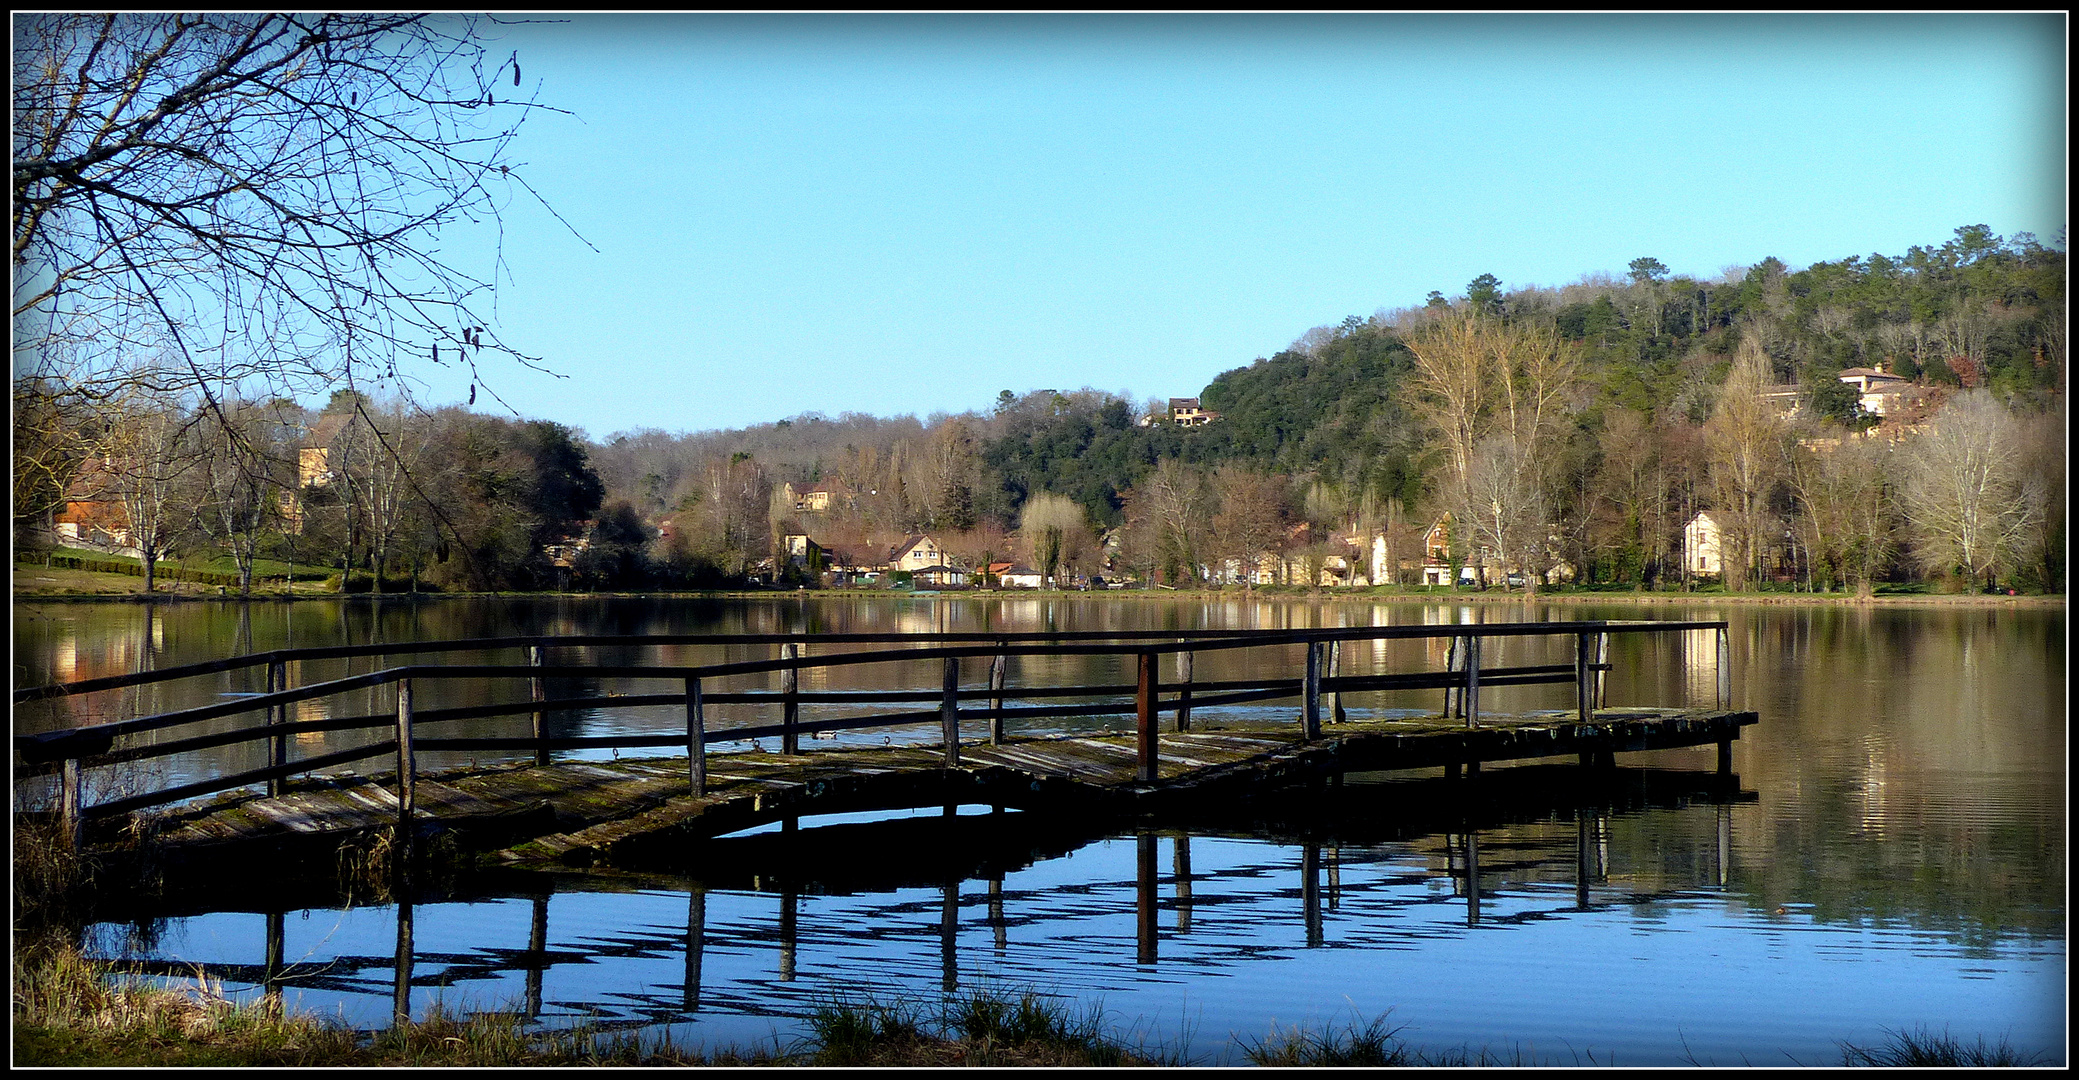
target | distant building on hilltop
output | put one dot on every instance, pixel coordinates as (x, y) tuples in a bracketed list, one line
[(1186, 412)]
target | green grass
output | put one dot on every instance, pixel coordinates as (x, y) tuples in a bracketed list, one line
[(71, 1011), (1373, 1044), (1922, 1049)]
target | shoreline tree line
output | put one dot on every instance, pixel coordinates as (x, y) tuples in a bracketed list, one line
[(1581, 426)]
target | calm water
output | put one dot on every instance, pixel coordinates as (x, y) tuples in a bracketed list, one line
[(1895, 857)]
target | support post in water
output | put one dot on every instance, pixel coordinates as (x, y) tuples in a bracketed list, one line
[(1725, 757), (1184, 691), (400, 980), (1310, 709), (1145, 903), (790, 702), (1724, 668), (277, 715), (999, 671), (1584, 678), (696, 738), (949, 712), (1144, 715), (537, 693)]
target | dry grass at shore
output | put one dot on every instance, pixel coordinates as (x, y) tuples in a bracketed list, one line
[(70, 1011)]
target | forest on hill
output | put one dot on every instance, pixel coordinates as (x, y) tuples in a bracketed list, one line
[(1568, 433), (1336, 433)]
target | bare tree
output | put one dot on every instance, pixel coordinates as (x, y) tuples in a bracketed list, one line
[(1968, 502), (1843, 508), (1448, 390), (148, 455), (1963, 336), (258, 196), (390, 497), (1746, 443), (245, 470), (1249, 527), (951, 458), (1051, 527), (1497, 394), (1167, 518)]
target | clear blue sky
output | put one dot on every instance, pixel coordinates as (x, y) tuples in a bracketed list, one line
[(907, 214)]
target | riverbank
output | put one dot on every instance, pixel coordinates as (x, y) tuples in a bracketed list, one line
[(69, 1011), (72, 1012), (32, 582)]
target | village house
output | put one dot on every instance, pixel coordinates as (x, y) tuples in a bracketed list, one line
[(807, 500), (564, 550), (1785, 400), (803, 552), (1186, 412), (916, 553), (92, 515), (1703, 544), (1879, 392), (1017, 576), (940, 577)]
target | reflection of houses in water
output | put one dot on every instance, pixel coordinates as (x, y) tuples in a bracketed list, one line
[(1875, 814), (1699, 664), (305, 711), (1439, 649)]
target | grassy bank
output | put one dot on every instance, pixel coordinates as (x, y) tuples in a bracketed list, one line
[(69, 1011)]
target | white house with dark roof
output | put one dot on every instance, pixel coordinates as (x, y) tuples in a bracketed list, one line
[(1877, 390)]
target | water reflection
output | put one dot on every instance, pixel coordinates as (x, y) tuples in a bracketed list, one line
[(1318, 924), (1906, 812)]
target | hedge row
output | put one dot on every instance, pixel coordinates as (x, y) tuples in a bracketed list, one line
[(136, 569)]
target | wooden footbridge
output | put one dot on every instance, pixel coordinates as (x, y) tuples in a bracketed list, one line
[(541, 810)]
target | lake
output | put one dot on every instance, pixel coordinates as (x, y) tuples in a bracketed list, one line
[(1894, 857)]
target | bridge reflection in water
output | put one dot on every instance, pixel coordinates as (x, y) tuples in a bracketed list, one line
[(1491, 845)]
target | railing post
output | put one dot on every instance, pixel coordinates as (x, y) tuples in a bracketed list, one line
[(1584, 678), (278, 743), (999, 672), (1144, 715), (1724, 668), (1310, 711), (949, 712), (1335, 668), (1454, 661), (1602, 670), (537, 693), (70, 824), (407, 764), (790, 704), (1472, 680), (1184, 691), (696, 738)]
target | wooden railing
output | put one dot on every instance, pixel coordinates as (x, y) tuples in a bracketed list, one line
[(1319, 684)]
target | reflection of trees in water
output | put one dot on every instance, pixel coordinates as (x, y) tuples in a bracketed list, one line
[(1911, 767), (1909, 761)]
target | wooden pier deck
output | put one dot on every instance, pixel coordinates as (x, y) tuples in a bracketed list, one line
[(586, 812)]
